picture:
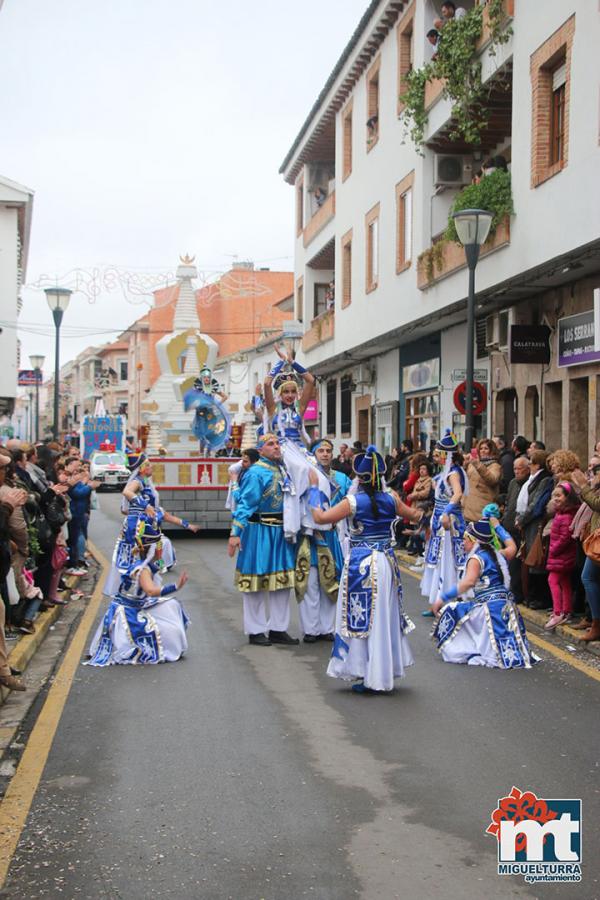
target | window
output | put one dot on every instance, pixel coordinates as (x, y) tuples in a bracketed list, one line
[(123, 370), (372, 244), (373, 105), (384, 428), (300, 299), (346, 404), (557, 114), (320, 299), (347, 269), (550, 67), (404, 35), (347, 141), (331, 406), (300, 206), (404, 222)]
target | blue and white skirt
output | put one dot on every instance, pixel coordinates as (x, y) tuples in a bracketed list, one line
[(140, 634)]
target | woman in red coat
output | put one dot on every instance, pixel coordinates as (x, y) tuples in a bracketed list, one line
[(562, 553)]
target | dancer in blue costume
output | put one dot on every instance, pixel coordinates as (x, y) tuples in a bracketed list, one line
[(212, 423), (265, 571), (444, 554), (370, 644), (145, 623), (320, 560), (485, 628), (286, 421), (140, 497)]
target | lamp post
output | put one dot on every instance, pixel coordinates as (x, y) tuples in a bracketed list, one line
[(472, 227), (30, 422), (58, 301), (36, 364)]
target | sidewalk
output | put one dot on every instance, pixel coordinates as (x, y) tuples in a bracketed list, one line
[(536, 617), (26, 646)]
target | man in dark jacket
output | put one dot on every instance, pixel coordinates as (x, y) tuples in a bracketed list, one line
[(521, 473), (530, 520)]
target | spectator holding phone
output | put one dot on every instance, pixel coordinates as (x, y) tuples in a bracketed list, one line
[(484, 475)]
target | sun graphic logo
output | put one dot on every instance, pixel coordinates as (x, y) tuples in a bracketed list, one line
[(539, 839)]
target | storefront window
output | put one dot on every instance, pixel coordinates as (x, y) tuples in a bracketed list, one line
[(423, 419)]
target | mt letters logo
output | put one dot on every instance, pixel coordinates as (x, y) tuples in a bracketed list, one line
[(539, 839)]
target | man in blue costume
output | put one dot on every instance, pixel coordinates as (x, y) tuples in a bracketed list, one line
[(320, 559), (265, 570)]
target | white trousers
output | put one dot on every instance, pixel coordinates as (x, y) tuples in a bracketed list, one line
[(316, 611), (256, 618)]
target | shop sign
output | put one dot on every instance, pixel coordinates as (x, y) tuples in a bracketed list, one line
[(28, 377), (577, 340), (529, 344), (421, 376), (312, 411)]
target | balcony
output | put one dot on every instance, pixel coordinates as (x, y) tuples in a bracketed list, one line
[(323, 215), (435, 88), (321, 330), (445, 257)]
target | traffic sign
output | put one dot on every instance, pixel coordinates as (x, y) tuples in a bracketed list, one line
[(479, 398)]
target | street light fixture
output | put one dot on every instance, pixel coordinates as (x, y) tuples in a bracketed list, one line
[(37, 363), (58, 301), (472, 227)]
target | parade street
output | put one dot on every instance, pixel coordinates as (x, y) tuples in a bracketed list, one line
[(245, 772)]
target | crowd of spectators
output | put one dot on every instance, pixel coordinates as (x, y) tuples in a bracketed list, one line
[(550, 505), (46, 496)]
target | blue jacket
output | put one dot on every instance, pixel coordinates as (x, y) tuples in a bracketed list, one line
[(80, 500), (260, 492)]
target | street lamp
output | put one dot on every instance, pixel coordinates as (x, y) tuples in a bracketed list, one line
[(58, 300), (36, 364), (472, 227)]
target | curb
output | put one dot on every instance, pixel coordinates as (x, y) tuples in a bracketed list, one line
[(22, 654), (536, 617)]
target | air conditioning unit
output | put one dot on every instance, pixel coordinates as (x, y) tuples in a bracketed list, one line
[(497, 330), (451, 170), (363, 374)]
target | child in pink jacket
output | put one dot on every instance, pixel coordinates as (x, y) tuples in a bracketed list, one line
[(561, 554)]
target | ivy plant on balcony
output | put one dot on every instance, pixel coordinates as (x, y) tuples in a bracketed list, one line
[(493, 192), (458, 66)]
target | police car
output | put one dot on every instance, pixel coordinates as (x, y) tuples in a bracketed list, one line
[(110, 469)]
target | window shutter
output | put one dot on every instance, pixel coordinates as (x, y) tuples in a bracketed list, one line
[(559, 77)]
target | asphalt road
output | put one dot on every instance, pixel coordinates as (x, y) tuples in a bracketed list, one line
[(245, 772)]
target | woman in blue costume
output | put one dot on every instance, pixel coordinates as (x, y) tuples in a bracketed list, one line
[(139, 498), (479, 622), (286, 421), (145, 623), (370, 646), (444, 554), (212, 424)]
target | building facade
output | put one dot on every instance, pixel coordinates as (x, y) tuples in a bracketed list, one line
[(371, 212), (16, 206)]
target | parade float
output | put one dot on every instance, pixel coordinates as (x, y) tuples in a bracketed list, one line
[(187, 417)]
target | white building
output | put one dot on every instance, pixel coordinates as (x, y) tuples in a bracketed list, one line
[(391, 351), (16, 205)]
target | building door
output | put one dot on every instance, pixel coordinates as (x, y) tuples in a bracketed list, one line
[(507, 413), (578, 419), (363, 427)]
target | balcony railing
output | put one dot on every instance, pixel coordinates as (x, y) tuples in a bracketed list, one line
[(433, 266), (321, 329), (321, 218)]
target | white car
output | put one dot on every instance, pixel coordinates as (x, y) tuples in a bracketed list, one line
[(110, 469)]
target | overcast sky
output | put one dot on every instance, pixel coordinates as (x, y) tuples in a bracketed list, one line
[(150, 128)]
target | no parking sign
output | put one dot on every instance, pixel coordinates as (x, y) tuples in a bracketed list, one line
[(479, 398)]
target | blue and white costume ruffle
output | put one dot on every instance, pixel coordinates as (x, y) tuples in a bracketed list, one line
[(444, 553), (138, 629), (371, 627), (487, 630)]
